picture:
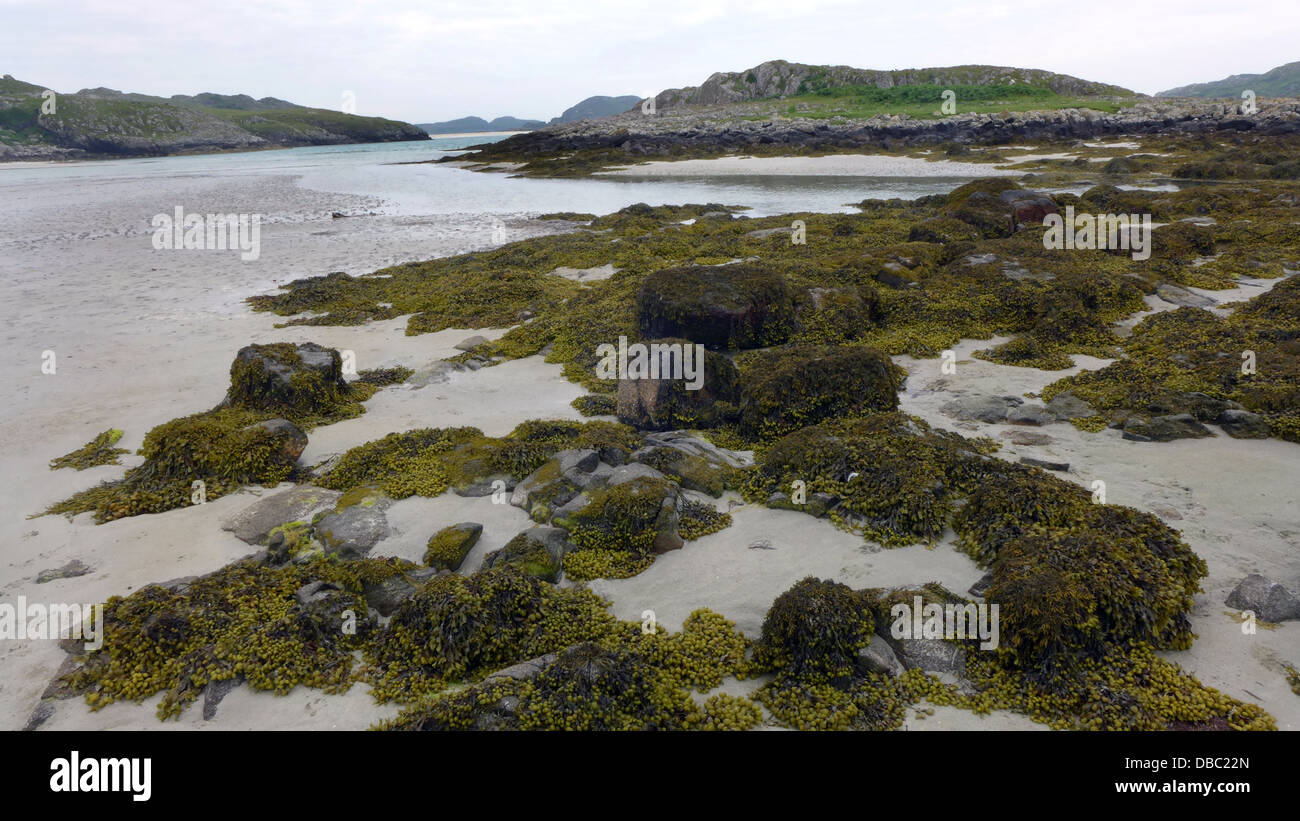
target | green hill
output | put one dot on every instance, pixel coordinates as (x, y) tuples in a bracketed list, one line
[(105, 122), (1283, 81)]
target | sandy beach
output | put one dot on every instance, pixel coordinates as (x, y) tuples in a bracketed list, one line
[(142, 338)]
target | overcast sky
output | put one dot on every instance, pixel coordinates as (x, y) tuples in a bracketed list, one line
[(427, 60)]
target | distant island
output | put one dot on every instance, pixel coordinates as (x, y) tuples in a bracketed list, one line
[(597, 106), (38, 124), (1283, 81)]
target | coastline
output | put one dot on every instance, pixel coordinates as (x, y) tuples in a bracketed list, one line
[(1228, 516)]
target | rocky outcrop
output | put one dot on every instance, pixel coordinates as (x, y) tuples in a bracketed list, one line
[(718, 128), (1267, 599)]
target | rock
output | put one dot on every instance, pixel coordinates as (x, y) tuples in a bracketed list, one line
[(332, 607), (933, 656), (878, 657), (557, 481), (316, 591), (525, 670), (1182, 297), (1240, 424), (1268, 600), (819, 503), (538, 551), (1067, 406), (607, 511), (1045, 465), (981, 408), (254, 523), (285, 377), (663, 404), (385, 595), (435, 373), (1165, 428), (39, 716), (764, 233), (70, 570), (471, 343), (448, 547), (761, 544), (291, 439), (978, 588), (793, 387), (1028, 207), (1030, 415), (350, 533), (746, 305), (1202, 406), (214, 692), (1026, 437)]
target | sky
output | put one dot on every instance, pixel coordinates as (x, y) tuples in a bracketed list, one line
[(432, 60)]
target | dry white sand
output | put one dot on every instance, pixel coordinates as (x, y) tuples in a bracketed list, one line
[(832, 165)]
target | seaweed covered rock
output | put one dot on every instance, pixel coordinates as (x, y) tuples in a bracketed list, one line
[(888, 476), (464, 627), (389, 582), (302, 383), (254, 523), (981, 204), (557, 481), (1012, 500), (245, 620), (640, 516), (788, 388), (1165, 428), (692, 462), (668, 402), (816, 628), (837, 315), (1084, 590), (188, 461), (537, 552), (745, 305), (448, 547)]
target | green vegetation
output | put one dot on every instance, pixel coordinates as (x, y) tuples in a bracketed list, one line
[(96, 452)]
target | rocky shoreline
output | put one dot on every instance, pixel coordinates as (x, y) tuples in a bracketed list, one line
[(700, 131)]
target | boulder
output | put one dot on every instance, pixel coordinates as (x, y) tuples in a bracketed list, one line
[(295, 380), (789, 388), (981, 408), (351, 532), (385, 595), (664, 404), (448, 547), (557, 481), (878, 657), (933, 656), (1268, 600), (1067, 406), (538, 552), (470, 343), (1180, 296), (1241, 424), (1165, 428), (745, 305), (254, 523)]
